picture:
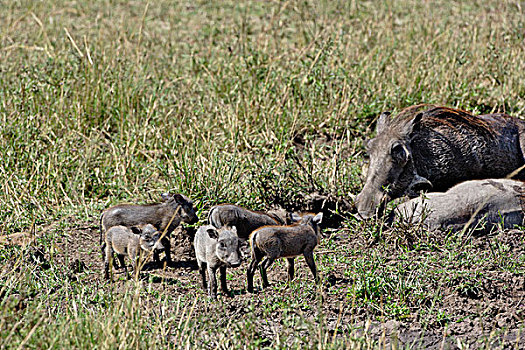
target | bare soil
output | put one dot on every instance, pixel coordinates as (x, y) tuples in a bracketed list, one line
[(485, 315)]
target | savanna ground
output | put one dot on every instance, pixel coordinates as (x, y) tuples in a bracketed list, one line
[(264, 104)]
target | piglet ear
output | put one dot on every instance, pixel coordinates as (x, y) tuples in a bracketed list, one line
[(212, 233), (136, 230), (318, 218), (178, 198), (234, 229), (295, 217)]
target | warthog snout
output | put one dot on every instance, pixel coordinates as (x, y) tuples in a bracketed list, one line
[(158, 246), (367, 205), (190, 219), (235, 264), (149, 237), (418, 184)]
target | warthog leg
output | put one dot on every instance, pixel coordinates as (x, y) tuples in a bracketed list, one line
[(224, 286), (264, 266), (309, 257), (291, 269), (202, 270)]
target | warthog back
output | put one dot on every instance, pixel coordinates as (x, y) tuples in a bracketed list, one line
[(229, 215), (482, 204)]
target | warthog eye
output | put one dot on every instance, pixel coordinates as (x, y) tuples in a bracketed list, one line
[(399, 152)]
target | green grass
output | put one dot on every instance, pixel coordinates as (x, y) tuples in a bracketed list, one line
[(255, 103)]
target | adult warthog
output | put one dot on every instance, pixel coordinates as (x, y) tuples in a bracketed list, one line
[(479, 204), (429, 147)]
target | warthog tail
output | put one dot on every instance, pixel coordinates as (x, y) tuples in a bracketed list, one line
[(253, 246), (210, 218), (100, 227)]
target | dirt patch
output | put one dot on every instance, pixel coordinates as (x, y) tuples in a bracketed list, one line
[(485, 311)]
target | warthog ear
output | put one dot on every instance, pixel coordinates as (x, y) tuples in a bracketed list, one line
[(212, 233), (382, 122), (178, 198), (234, 229), (318, 218), (368, 145), (165, 196), (399, 153), (295, 217), (413, 125), (136, 230)]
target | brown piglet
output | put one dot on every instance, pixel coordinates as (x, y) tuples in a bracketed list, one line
[(166, 215), (276, 242)]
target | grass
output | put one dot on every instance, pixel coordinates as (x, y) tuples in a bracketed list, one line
[(255, 103)]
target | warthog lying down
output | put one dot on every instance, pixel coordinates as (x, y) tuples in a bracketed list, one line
[(216, 249), (276, 242), (482, 204), (428, 147), (176, 206), (129, 241), (245, 220)]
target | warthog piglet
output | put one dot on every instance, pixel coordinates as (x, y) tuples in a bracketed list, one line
[(276, 242), (176, 206), (125, 241), (216, 249)]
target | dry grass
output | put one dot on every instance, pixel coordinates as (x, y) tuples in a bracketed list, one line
[(255, 103)]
